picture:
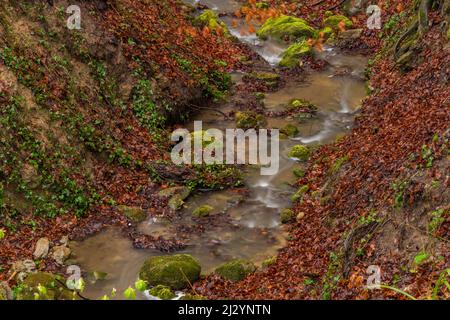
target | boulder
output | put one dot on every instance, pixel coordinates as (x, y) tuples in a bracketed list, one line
[(41, 249), (293, 55), (162, 292), (202, 211), (135, 214), (286, 27), (174, 271), (236, 270), (299, 152), (334, 21), (249, 119), (287, 215), (61, 254)]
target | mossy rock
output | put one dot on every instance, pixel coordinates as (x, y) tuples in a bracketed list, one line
[(5, 291), (448, 34), (297, 104), (300, 152), (177, 196), (299, 173), (289, 130), (236, 270), (174, 271), (249, 119), (334, 21), (286, 26), (326, 32), (135, 214), (162, 292), (271, 80), (269, 261), (299, 194), (293, 55), (287, 215), (209, 19), (202, 211), (54, 290)]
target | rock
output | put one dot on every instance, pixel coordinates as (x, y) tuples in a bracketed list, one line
[(352, 7), (299, 173), (334, 21), (300, 216), (290, 130), (351, 34), (5, 291), (64, 240), (271, 80), (54, 290), (31, 176), (300, 104), (202, 211), (236, 270), (269, 261), (27, 266), (299, 152), (135, 214), (42, 247), (293, 55), (287, 215), (174, 271), (60, 254), (162, 292), (286, 27), (209, 19), (299, 194), (249, 119), (177, 196)]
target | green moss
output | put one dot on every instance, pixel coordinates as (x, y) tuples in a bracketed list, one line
[(299, 194), (448, 34), (135, 214), (290, 130), (299, 152), (287, 215), (210, 19), (296, 104), (175, 271), (337, 165), (334, 21), (286, 26), (269, 261), (43, 286), (249, 119), (177, 196), (271, 80), (202, 211), (162, 292), (326, 32), (192, 297), (236, 270), (292, 56), (299, 173)]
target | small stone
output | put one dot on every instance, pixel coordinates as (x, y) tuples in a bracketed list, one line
[(27, 266), (42, 247), (287, 215), (61, 254), (64, 240), (5, 291), (135, 214), (300, 216)]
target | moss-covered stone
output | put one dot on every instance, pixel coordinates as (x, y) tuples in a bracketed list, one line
[(44, 286), (301, 104), (162, 292), (135, 214), (299, 194), (236, 270), (177, 196), (249, 119), (269, 261), (271, 80), (293, 55), (5, 291), (209, 19), (337, 165), (174, 271), (299, 152), (326, 33), (202, 211), (299, 173), (289, 130), (334, 21), (287, 215), (286, 26)]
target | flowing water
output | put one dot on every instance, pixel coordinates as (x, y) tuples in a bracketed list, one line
[(253, 230)]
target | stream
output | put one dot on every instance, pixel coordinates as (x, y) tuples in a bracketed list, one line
[(254, 231)]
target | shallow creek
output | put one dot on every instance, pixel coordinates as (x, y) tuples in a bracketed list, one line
[(254, 231)]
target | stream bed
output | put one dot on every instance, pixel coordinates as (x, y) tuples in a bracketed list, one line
[(253, 230)]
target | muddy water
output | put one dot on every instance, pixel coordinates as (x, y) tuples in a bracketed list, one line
[(252, 229)]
